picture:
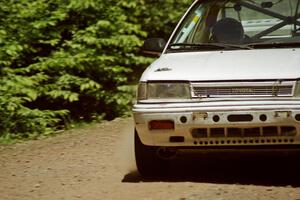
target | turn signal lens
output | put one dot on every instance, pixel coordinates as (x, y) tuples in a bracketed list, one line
[(142, 91)]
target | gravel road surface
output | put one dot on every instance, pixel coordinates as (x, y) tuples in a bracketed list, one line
[(98, 163)]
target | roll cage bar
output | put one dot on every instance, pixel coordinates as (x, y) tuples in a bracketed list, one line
[(286, 20)]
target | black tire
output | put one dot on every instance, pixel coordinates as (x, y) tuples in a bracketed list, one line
[(147, 161)]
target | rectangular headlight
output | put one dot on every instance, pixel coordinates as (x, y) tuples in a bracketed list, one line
[(168, 91)]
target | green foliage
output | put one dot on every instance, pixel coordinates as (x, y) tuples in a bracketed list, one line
[(69, 60), (17, 119), (159, 17)]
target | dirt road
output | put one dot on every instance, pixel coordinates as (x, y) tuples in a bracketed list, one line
[(98, 163)]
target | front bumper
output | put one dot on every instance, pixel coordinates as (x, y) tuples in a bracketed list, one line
[(231, 124)]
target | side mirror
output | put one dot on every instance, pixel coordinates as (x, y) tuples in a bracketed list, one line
[(154, 46)]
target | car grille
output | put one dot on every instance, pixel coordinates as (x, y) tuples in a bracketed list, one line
[(238, 89)]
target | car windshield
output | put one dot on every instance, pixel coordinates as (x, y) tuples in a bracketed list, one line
[(227, 24)]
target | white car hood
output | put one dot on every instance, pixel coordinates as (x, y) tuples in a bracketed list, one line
[(255, 64)]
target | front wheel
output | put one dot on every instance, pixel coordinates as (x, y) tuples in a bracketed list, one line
[(147, 161)]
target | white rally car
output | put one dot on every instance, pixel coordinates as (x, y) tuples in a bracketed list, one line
[(228, 78)]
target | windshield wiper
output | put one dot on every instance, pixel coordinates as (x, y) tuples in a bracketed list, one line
[(274, 45), (205, 46)]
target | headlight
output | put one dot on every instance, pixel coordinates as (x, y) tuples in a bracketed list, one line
[(167, 91)]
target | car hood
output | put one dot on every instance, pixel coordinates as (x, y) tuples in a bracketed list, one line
[(254, 64)]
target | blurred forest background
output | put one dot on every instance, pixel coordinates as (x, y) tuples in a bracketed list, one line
[(63, 62)]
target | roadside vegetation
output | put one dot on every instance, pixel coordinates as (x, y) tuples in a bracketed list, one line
[(64, 62)]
